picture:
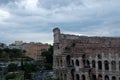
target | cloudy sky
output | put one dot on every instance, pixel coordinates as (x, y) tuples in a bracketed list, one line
[(33, 20)]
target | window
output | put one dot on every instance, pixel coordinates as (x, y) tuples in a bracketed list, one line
[(77, 62), (100, 65), (77, 77), (106, 77), (99, 56), (106, 65), (93, 64)]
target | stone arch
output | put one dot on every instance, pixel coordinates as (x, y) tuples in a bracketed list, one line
[(106, 65), (61, 76), (107, 77), (93, 64), (72, 73), (77, 77), (77, 62), (100, 77), (88, 63), (65, 77), (68, 59), (99, 56), (94, 77), (113, 78), (99, 65), (83, 77), (119, 78), (113, 65), (61, 62)]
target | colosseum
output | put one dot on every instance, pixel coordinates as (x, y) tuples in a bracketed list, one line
[(86, 58)]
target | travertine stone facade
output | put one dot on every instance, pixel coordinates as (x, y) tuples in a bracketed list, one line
[(86, 58)]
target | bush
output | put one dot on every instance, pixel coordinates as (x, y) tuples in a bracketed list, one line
[(10, 76), (12, 67)]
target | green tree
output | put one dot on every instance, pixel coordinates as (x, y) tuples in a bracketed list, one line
[(49, 58), (10, 76), (49, 55), (28, 69), (12, 67)]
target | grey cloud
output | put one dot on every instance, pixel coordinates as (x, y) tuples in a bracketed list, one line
[(6, 1), (95, 17), (50, 4)]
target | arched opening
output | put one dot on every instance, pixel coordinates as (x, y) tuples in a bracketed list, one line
[(88, 64), (119, 78), (65, 77), (113, 78), (77, 77), (61, 63), (113, 65), (93, 64), (94, 77), (61, 76), (99, 77), (99, 65), (99, 56), (106, 64), (72, 73), (68, 59), (77, 62), (83, 77), (107, 77)]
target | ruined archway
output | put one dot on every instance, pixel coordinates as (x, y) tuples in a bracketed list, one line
[(65, 77), (83, 77), (72, 74), (77, 62), (113, 78), (107, 77), (68, 59), (99, 65), (93, 64), (77, 77), (94, 77), (88, 64), (106, 65)]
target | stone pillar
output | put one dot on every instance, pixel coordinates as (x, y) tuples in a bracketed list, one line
[(103, 66), (64, 61), (69, 76), (96, 64), (110, 69), (117, 62)]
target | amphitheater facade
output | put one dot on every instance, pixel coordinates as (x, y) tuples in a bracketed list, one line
[(86, 58)]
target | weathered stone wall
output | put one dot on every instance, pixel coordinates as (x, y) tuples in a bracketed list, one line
[(86, 58)]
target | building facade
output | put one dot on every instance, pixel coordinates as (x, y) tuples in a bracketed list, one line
[(32, 49), (86, 58)]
